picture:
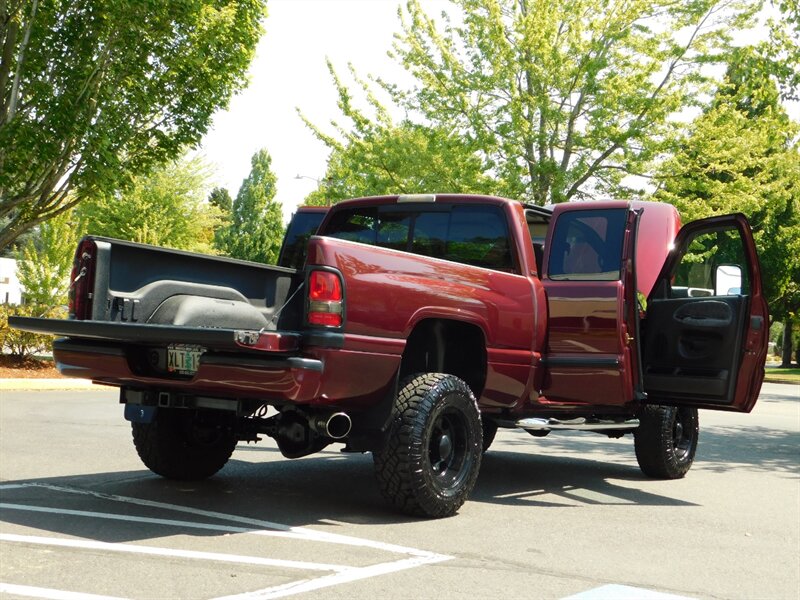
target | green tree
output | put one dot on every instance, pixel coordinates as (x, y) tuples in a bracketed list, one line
[(45, 261), (374, 157), (166, 208), (256, 226), (562, 100), (93, 92), (221, 198), (782, 48), (741, 155)]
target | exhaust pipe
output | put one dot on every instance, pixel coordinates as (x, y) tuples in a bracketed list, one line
[(335, 426)]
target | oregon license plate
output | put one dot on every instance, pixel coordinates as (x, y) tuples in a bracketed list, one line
[(183, 359)]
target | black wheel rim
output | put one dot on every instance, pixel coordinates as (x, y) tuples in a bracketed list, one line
[(448, 449), (682, 436)]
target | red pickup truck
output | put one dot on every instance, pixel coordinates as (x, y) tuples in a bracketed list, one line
[(420, 324)]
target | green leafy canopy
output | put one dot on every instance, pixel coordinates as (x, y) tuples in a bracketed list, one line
[(381, 157), (555, 100), (45, 261), (166, 207), (94, 92), (741, 155)]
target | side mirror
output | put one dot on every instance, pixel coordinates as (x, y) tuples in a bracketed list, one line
[(728, 280)]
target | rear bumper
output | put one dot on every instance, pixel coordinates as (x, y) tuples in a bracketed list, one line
[(289, 379), (322, 376), (314, 367)]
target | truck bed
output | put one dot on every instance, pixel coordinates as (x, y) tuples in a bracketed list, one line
[(137, 283)]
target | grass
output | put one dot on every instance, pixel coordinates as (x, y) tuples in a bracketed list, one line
[(778, 375)]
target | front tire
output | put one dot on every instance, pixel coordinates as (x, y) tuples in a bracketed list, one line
[(183, 444), (666, 441), (430, 458), (489, 431)]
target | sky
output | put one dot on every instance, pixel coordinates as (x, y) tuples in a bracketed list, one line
[(289, 72)]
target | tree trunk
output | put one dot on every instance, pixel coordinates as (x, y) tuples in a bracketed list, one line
[(786, 348)]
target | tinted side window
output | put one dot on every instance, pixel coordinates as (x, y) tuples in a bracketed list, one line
[(587, 245)]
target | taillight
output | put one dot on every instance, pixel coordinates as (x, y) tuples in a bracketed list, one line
[(325, 305), (82, 281)]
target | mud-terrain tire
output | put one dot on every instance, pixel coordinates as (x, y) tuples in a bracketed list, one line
[(666, 441), (431, 455), (184, 444), (489, 431)]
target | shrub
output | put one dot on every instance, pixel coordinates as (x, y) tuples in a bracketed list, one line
[(24, 343)]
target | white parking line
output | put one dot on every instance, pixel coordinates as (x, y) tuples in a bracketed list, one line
[(623, 592), (172, 553), (151, 520), (295, 532), (299, 587), (37, 592), (339, 573)]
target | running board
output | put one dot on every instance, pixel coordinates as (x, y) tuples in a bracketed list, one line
[(580, 424)]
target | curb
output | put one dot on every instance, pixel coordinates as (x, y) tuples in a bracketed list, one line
[(34, 384), (782, 381)]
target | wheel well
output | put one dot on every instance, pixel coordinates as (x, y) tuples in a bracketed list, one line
[(443, 346)]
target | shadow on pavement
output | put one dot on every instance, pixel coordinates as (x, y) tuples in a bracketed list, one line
[(331, 486), (514, 478), (720, 449), (755, 448), (328, 487)]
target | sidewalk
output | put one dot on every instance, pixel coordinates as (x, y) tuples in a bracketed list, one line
[(34, 384)]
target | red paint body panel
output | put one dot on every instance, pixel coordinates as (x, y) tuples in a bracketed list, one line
[(584, 318), (389, 293), (354, 380), (584, 324)]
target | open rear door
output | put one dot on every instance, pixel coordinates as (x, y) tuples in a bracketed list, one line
[(706, 326)]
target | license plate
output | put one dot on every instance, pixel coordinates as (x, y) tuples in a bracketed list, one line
[(183, 359)]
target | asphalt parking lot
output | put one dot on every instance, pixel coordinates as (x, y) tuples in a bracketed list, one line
[(565, 516)]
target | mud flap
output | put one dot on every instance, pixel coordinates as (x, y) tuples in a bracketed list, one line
[(138, 413)]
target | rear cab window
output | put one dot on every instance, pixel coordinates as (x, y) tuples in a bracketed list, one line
[(470, 234)]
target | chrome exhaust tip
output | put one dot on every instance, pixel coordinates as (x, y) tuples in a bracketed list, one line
[(335, 426)]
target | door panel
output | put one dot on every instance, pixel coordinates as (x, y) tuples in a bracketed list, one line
[(586, 358), (704, 333), (692, 349)]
